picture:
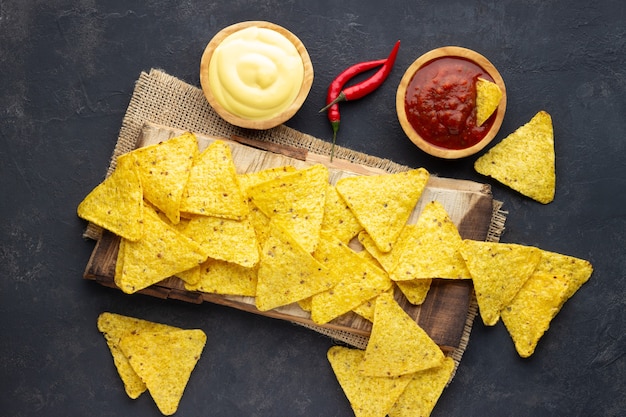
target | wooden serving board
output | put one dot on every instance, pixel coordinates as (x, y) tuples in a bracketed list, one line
[(443, 314)]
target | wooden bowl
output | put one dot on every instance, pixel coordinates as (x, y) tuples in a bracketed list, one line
[(415, 137), (243, 121)]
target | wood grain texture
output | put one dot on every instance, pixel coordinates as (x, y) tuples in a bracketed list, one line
[(442, 315)]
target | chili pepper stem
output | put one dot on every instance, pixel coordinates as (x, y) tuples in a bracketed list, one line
[(335, 126), (340, 97)]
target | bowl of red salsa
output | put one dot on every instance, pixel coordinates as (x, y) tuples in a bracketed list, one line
[(436, 102)]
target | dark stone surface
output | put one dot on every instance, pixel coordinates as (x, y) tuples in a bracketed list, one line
[(68, 70)]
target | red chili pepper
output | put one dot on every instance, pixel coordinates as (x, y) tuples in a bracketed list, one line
[(335, 88), (365, 87)]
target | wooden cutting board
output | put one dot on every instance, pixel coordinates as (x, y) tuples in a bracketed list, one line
[(443, 314)]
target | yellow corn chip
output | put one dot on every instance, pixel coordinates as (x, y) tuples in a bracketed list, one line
[(296, 202), (249, 179), (383, 203), (498, 271), (488, 96), (524, 160), (366, 309), (161, 253), (213, 186), (260, 223), (555, 280), (220, 277), (116, 204), (415, 290), (164, 361), (397, 344), (358, 280), (431, 249), (164, 169), (338, 218), (368, 396), (287, 272), (422, 393), (191, 276), (225, 239), (114, 328)]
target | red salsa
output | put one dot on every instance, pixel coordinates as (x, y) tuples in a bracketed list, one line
[(440, 103)]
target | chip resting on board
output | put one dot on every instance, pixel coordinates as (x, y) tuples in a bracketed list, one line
[(116, 204), (164, 169), (488, 97), (295, 201), (213, 185), (369, 396), (498, 271), (383, 203), (164, 361), (397, 344), (525, 160)]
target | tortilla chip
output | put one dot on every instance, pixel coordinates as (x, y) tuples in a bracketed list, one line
[(296, 202), (357, 280), (115, 327), (249, 179), (415, 290), (161, 253), (368, 396), (488, 96), (220, 277), (498, 271), (164, 361), (191, 276), (383, 203), (524, 160), (287, 271), (421, 394), (225, 239), (431, 249), (554, 281), (397, 344), (164, 169), (367, 309), (338, 218), (116, 204), (213, 186)]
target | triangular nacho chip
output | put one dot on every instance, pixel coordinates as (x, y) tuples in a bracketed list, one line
[(115, 327), (220, 277), (368, 396), (488, 96), (225, 239), (296, 202), (358, 280), (555, 280), (397, 344), (164, 361), (249, 179), (432, 248), (213, 186), (383, 203), (116, 204), (161, 253), (524, 160), (422, 393), (287, 272), (338, 218), (164, 169), (498, 271), (415, 290)]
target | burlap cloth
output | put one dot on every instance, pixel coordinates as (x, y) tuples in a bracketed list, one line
[(163, 99)]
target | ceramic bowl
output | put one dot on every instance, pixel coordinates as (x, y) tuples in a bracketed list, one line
[(409, 129), (244, 121)]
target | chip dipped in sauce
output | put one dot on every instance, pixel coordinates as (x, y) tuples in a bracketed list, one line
[(440, 102)]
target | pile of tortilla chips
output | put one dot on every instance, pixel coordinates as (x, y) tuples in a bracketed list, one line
[(152, 356), (285, 236)]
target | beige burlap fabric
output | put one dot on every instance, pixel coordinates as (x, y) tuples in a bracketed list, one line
[(163, 99)]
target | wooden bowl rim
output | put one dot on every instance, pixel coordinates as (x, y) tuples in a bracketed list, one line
[(234, 119), (459, 52)]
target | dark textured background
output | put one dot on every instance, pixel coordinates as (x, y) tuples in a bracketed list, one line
[(67, 73)]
